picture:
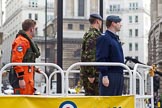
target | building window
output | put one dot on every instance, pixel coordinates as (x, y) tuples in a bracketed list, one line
[(136, 19), (110, 7), (130, 19), (50, 5), (136, 6), (33, 3), (115, 7), (70, 26), (130, 32), (30, 16), (118, 7), (36, 4), (130, 6), (136, 32), (81, 27), (133, 6), (136, 46), (130, 46), (80, 7), (36, 16)]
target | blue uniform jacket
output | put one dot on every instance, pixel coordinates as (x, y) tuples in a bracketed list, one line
[(109, 49)]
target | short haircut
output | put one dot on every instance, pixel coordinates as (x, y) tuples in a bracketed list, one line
[(27, 24), (92, 20), (108, 23)]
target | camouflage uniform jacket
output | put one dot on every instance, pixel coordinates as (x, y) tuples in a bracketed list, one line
[(88, 53)]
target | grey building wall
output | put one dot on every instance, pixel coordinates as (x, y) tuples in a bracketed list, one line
[(155, 37)]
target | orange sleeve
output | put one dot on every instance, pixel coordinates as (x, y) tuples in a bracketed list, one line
[(19, 48)]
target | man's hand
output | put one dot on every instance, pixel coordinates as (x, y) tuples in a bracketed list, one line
[(22, 84), (38, 70), (91, 80), (105, 81)]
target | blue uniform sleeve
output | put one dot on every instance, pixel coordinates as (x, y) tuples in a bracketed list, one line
[(102, 53)]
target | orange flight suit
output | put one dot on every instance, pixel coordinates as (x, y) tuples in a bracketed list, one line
[(19, 49)]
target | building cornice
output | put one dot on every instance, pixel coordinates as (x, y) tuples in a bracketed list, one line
[(71, 19), (122, 11), (72, 40), (41, 39)]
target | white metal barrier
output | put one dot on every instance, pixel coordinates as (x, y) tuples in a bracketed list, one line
[(62, 82), (97, 64), (138, 77), (34, 64), (143, 81), (65, 82)]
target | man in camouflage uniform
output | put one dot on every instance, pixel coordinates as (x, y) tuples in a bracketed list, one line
[(89, 74)]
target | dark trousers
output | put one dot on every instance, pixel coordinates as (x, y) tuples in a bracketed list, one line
[(116, 83)]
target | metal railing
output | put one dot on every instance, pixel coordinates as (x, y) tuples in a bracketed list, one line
[(96, 64), (133, 75), (142, 75), (62, 83), (31, 64)]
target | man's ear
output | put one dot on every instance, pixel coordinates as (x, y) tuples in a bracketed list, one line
[(113, 23), (31, 30), (97, 21)]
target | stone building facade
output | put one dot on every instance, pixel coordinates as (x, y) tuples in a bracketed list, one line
[(155, 34), (155, 37)]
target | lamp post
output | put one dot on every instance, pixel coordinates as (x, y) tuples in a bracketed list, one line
[(101, 12), (45, 33), (59, 40)]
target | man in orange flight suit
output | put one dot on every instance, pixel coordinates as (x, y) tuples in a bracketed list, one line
[(25, 50)]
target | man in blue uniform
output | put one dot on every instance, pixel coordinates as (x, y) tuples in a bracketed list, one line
[(109, 49)]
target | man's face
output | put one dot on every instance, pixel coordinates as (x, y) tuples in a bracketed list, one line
[(117, 26), (32, 31)]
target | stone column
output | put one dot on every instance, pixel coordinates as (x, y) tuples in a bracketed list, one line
[(64, 8), (55, 8), (75, 8), (87, 8), (160, 8)]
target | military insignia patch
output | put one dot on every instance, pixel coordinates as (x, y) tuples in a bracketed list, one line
[(19, 49)]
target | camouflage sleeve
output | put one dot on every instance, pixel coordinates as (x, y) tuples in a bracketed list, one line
[(90, 49)]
